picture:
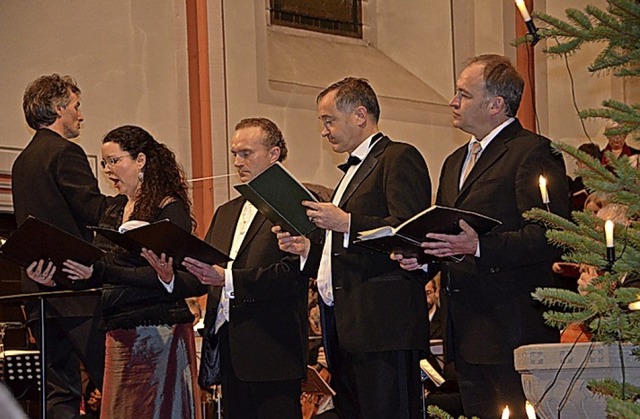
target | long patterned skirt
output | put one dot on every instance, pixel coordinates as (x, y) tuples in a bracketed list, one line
[(150, 372)]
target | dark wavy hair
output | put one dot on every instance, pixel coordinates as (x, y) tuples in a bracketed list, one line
[(44, 95), (352, 92), (163, 176)]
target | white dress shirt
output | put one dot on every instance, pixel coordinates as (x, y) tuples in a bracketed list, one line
[(324, 280)]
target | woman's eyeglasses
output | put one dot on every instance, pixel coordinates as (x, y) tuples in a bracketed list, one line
[(112, 161)]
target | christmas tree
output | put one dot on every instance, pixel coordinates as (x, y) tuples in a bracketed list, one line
[(604, 304)]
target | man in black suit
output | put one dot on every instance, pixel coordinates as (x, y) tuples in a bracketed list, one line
[(256, 319), (374, 315), (488, 294), (436, 314), (52, 181)]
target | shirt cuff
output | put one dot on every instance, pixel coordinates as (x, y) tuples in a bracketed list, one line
[(345, 237), (168, 286), (228, 283)]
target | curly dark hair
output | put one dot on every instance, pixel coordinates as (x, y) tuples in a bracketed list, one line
[(44, 95), (163, 176)]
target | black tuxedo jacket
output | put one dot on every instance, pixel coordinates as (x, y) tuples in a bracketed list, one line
[(491, 310), (52, 180), (268, 316), (379, 306)]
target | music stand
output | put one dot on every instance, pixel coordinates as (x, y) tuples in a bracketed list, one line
[(42, 298)]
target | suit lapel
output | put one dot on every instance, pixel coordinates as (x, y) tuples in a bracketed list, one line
[(228, 222), (364, 170), (489, 156)]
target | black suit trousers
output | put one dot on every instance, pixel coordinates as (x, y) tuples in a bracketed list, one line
[(371, 385), (255, 399)]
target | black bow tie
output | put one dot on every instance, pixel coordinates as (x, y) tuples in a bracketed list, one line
[(351, 161)]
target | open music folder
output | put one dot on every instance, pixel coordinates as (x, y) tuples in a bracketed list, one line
[(407, 237), (164, 237), (35, 239), (278, 196)]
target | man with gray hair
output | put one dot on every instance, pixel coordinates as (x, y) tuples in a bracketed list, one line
[(52, 181), (490, 311), (374, 315)]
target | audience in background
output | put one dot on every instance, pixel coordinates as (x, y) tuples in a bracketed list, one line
[(617, 145)]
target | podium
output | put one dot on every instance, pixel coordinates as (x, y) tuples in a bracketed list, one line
[(21, 357)]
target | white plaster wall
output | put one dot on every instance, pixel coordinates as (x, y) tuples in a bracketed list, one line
[(128, 56), (423, 47)]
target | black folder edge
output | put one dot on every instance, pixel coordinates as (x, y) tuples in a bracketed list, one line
[(87, 255), (269, 211), (136, 243)]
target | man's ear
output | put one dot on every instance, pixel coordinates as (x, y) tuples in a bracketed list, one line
[(274, 154), (496, 104), (361, 115)]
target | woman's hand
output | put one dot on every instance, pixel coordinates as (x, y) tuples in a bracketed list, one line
[(43, 276), (77, 271), (162, 265)]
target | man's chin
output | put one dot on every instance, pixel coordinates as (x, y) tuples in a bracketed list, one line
[(71, 134)]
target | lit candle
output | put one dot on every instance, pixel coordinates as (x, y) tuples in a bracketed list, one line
[(531, 412), (543, 190), (608, 232), (608, 235), (505, 413), (523, 10), (636, 304)]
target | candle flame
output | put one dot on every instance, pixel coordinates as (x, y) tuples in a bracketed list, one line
[(531, 412), (523, 10), (505, 413), (543, 189)]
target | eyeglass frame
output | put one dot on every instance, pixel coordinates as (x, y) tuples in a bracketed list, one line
[(112, 161)]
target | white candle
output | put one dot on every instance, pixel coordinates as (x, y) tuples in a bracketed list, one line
[(505, 413), (608, 232), (543, 190), (523, 10), (531, 412)]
